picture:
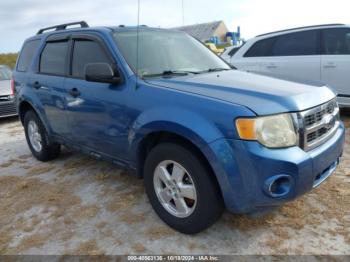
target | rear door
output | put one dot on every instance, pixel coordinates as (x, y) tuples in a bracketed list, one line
[(294, 55), (48, 83), (336, 61)]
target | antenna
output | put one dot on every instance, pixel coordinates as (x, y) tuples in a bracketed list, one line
[(137, 43), (183, 13)]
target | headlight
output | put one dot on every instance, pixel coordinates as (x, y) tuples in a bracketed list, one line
[(271, 131)]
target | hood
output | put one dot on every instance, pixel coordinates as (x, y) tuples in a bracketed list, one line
[(5, 87), (262, 94)]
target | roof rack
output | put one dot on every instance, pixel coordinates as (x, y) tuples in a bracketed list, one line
[(82, 24), (296, 28)]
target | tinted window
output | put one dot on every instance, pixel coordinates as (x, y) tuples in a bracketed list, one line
[(297, 44), (336, 41), (260, 48), (86, 52), (53, 58), (5, 73), (233, 51), (27, 54)]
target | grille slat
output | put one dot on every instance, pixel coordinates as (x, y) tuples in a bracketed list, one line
[(319, 123), (7, 109)]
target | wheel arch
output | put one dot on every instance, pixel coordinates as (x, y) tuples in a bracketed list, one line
[(156, 137), (25, 106)]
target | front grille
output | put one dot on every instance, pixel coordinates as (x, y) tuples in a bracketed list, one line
[(5, 98), (319, 124), (7, 109), (318, 133), (317, 116)]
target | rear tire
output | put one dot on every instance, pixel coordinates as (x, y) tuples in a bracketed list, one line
[(181, 188), (38, 140)]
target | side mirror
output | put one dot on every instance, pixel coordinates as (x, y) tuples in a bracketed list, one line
[(101, 73)]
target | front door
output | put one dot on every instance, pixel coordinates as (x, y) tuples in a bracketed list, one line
[(336, 61), (295, 56), (96, 111)]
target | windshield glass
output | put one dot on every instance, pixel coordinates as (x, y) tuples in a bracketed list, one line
[(166, 51), (5, 73)]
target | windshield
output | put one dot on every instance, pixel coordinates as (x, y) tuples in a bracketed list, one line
[(5, 73), (166, 51)]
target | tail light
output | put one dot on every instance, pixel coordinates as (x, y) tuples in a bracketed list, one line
[(13, 87)]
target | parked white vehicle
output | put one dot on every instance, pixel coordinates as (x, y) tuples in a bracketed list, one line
[(315, 53), (229, 52), (7, 101)]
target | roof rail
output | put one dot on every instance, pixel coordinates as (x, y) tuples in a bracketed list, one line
[(82, 24), (296, 28)]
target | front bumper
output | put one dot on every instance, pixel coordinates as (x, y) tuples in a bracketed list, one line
[(8, 108), (244, 169)]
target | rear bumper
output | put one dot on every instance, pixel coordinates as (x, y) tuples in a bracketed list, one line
[(8, 108), (245, 170)]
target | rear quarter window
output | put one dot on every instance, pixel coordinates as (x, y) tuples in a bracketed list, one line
[(28, 51), (5, 73)]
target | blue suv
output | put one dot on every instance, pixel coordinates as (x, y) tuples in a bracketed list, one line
[(202, 135)]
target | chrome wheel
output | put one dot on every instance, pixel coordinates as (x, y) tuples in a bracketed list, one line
[(175, 188), (34, 136)]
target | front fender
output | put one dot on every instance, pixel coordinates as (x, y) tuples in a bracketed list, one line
[(182, 122)]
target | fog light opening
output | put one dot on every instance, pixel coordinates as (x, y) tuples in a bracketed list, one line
[(278, 186)]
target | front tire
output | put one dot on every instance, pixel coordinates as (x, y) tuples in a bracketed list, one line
[(38, 140), (181, 188)]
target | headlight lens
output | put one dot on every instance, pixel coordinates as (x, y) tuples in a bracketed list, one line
[(271, 131)]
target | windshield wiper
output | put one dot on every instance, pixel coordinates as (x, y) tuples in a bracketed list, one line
[(217, 69), (171, 73)]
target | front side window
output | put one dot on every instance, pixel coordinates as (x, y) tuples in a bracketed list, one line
[(160, 51), (297, 44), (5, 73), (85, 52), (28, 51), (53, 58), (336, 41), (261, 48), (234, 50)]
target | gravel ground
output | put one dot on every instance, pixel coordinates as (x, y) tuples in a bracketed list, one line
[(78, 205)]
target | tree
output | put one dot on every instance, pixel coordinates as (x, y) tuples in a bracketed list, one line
[(8, 59)]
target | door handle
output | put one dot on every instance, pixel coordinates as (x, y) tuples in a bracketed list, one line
[(36, 85), (74, 92), (271, 66), (330, 65)]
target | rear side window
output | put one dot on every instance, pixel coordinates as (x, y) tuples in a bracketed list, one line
[(260, 48), (86, 52), (297, 44), (27, 54), (336, 41), (53, 58)]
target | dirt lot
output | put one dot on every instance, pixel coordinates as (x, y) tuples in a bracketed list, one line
[(78, 205)]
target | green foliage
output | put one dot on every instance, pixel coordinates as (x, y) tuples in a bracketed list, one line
[(223, 45), (8, 59)]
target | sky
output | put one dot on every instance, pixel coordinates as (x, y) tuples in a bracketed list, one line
[(20, 19)]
